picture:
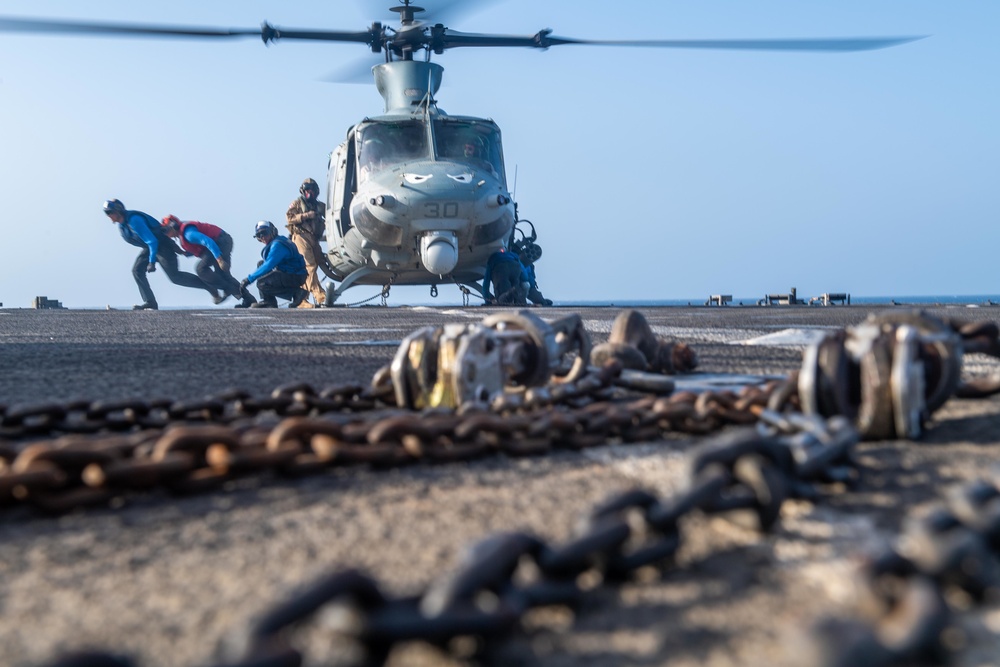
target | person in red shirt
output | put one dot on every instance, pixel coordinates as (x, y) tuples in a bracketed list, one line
[(214, 248)]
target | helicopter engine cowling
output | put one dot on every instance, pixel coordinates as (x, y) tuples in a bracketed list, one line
[(439, 252)]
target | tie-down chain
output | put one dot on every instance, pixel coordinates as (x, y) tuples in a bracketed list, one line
[(522, 386), (744, 476), (944, 561), (886, 375), (892, 371), (467, 364)]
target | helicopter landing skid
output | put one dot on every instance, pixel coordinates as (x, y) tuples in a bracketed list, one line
[(333, 294), (468, 288)]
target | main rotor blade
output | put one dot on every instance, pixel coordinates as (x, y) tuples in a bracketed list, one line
[(816, 44), (543, 40), (16, 24), (266, 32), (356, 71)]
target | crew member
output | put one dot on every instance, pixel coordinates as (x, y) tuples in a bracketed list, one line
[(281, 272), (508, 278), (142, 230), (371, 158), (530, 253), (305, 217), (214, 248)]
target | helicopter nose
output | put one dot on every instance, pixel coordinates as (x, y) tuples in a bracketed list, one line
[(439, 252)]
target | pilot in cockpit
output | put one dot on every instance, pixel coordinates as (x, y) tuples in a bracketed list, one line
[(472, 153), (372, 157)]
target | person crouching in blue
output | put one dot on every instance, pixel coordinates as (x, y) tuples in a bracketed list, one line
[(281, 273), (531, 253), (508, 277)]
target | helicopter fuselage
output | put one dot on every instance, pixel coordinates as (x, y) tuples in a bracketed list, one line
[(418, 197)]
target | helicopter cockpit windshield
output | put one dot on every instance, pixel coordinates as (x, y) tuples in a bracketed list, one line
[(474, 143), (384, 144)]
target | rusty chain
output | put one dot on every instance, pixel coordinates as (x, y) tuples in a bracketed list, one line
[(951, 553), (299, 431), (745, 475)]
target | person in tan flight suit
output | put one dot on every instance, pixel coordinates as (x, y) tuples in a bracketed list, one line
[(305, 221)]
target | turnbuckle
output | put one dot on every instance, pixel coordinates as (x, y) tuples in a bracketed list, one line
[(459, 364), (887, 374)]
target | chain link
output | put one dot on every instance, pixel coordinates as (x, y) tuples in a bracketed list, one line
[(943, 558), (744, 475), (189, 446)]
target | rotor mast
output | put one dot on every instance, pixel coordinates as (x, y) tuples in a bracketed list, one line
[(406, 84), (407, 26)]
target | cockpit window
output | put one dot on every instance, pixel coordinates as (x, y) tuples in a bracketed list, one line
[(383, 144), (476, 144)]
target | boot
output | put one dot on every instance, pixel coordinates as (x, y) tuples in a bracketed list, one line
[(300, 296), (269, 302), (149, 305), (248, 298), (219, 298)]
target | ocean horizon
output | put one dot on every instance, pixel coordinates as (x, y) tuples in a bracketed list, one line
[(917, 300), (967, 300)]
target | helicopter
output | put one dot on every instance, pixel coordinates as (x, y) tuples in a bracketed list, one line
[(418, 196)]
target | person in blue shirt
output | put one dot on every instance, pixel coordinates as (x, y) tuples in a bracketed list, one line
[(508, 278), (529, 254), (143, 231), (281, 273)]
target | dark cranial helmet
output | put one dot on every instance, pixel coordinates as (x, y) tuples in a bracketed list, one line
[(264, 228), (309, 185), (114, 206), (173, 223)]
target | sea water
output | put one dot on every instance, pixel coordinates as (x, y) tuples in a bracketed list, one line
[(969, 300), (949, 299)]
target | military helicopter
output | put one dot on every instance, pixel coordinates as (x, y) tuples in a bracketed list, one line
[(418, 196)]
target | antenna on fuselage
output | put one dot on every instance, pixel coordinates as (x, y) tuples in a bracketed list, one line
[(427, 98)]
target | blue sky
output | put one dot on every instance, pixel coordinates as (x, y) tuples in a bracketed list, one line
[(650, 174)]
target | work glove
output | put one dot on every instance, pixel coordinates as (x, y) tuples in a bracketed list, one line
[(244, 284), (223, 264), (151, 267), (309, 215)]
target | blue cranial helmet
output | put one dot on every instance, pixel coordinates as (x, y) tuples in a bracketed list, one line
[(264, 228)]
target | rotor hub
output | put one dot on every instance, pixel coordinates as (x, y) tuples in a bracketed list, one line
[(406, 11)]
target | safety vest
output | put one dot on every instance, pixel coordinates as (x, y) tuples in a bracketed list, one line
[(211, 231)]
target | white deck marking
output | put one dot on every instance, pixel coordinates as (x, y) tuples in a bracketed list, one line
[(786, 338)]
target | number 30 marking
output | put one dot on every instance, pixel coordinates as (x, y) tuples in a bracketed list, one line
[(436, 209)]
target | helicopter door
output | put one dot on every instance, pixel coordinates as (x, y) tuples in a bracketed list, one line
[(342, 186)]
